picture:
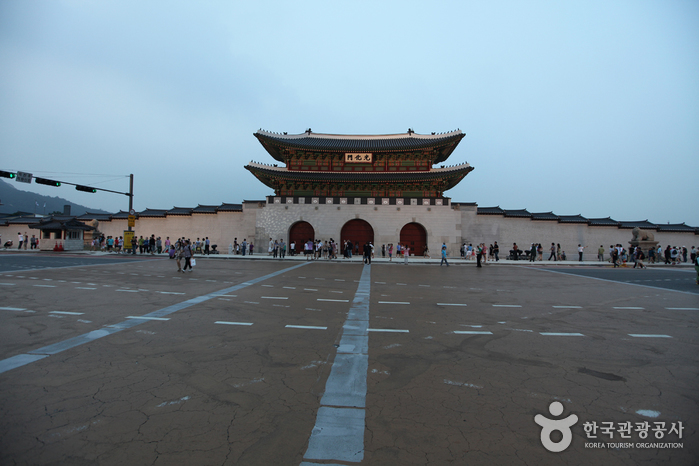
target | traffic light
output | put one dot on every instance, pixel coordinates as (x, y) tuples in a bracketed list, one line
[(5, 174), (47, 182), (86, 189)]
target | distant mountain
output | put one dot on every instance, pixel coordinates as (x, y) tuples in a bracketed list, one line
[(14, 200)]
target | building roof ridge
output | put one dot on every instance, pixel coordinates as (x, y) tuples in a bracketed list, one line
[(310, 134)]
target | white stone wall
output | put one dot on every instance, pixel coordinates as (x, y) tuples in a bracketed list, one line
[(450, 224), (524, 231), (221, 228), (442, 223)]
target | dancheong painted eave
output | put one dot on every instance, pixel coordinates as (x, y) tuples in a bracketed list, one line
[(442, 144), (268, 174)]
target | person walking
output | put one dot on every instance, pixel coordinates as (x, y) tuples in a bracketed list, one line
[(187, 254), (553, 252), (580, 252), (496, 251), (367, 253), (444, 255), (600, 253), (479, 254)]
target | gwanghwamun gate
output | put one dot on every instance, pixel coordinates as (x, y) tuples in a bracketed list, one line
[(379, 188)]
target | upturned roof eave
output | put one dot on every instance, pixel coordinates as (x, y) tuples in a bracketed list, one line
[(274, 143)]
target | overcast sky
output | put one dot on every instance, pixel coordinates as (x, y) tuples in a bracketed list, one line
[(584, 107)]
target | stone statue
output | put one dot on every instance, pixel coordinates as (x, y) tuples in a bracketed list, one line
[(642, 235)]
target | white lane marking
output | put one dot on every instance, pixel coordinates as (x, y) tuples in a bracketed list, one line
[(77, 283), (402, 284), (168, 292), (461, 384), (7, 284), (273, 297), (147, 318), (309, 289), (12, 309), (425, 285), (390, 330), (85, 321), (309, 327), (639, 335), (630, 308), (233, 323), (380, 283), (519, 330), (141, 289), (334, 300), (67, 313), (450, 304), (506, 305), (228, 295), (393, 302), (648, 413), (251, 302), (340, 292), (268, 286), (48, 279), (339, 279), (46, 286), (289, 287), (472, 332), (128, 291), (682, 308), (84, 288), (319, 278), (551, 334), (567, 307)]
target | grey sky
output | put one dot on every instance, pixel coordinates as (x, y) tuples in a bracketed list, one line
[(585, 108)]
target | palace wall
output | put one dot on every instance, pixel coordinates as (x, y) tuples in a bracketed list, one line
[(453, 224), (524, 231)]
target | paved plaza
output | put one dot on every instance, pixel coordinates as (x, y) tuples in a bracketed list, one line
[(110, 360)]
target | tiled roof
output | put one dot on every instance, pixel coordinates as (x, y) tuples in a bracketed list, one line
[(490, 211), (23, 220), (602, 222), (205, 209), (230, 208), (677, 227), (153, 213), (544, 216), (572, 219), (91, 216), (644, 224), (265, 172), (122, 214), (180, 211), (61, 223), (445, 143), (517, 213)]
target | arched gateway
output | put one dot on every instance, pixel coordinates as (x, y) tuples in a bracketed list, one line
[(300, 233), (358, 231), (415, 237)]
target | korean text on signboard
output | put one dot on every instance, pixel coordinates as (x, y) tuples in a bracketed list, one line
[(359, 158)]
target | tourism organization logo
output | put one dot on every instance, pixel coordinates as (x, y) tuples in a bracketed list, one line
[(549, 426), (623, 430)]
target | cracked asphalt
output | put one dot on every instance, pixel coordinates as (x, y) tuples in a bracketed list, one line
[(460, 361)]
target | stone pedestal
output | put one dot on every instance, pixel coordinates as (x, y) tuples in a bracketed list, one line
[(644, 245)]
